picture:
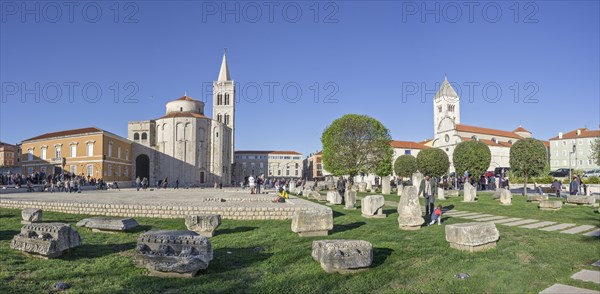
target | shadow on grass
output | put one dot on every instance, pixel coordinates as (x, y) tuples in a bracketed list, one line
[(337, 213), (390, 211), (94, 251), (234, 230), (343, 228), (139, 229), (7, 235), (380, 255), (448, 208), (228, 259)]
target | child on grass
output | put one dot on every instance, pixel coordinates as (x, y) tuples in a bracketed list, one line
[(436, 215)]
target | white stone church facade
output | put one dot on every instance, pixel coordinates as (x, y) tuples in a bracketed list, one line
[(185, 144)]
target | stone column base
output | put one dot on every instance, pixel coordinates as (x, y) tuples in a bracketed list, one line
[(475, 248)]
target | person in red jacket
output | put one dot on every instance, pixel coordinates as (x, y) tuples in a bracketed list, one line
[(436, 215)]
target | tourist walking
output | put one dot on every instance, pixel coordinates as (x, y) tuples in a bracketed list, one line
[(177, 184), (341, 187), (428, 187), (259, 182), (138, 182), (165, 183), (574, 186), (251, 183)]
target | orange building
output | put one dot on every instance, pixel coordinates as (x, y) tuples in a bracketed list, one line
[(88, 152), (8, 155)]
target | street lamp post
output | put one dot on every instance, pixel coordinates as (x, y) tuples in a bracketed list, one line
[(570, 164)]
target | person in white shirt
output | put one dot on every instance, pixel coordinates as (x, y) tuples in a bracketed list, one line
[(251, 184)]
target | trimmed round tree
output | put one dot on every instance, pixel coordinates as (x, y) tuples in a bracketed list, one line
[(473, 157), (433, 162), (405, 165), (528, 158), (356, 143)]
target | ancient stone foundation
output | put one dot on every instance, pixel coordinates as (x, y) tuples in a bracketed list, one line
[(47, 240), (312, 222), (409, 210), (372, 206), (31, 215), (343, 256), (550, 205), (108, 224), (203, 224), (472, 237)]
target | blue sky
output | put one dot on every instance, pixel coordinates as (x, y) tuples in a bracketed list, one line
[(364, 57)]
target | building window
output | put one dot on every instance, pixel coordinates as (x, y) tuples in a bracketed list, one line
[(44, 152), (226, 119), (226, 98), (73, 150), (73, 169), (407, 152), (110, 145), (118, 171), (144, 136), (296, 172), (110, 170), (589, 162), (126, 154), (219, 117), (580, 142), (564, 143), (219, 99), (30, 155), (126, 171), (90, 170), (564, 152), (90, 149), (136, 137), (119, 151), (58, 152)]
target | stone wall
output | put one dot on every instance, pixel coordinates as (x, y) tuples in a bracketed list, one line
[(237, 212)]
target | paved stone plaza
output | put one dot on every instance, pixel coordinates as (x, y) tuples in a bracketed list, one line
[(229, 203)]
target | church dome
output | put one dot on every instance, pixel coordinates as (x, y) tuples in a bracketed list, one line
[(185, 104)]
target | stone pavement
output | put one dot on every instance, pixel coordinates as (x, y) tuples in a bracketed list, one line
[(170, 203), (527, 223)]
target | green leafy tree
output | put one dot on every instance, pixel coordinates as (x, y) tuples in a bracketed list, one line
[(357, 143), (405, 165), (433, 162), (528, 158), (595, 156), (473, 157)]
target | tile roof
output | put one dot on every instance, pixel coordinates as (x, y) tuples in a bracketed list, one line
[(489, 142), (521, 129), (267, 152), (585, 133), (486, 131), (185, 98), (183, 114), (66, 133), (407, 145)]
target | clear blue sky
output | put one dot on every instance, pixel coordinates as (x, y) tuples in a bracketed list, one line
[(368, 53)]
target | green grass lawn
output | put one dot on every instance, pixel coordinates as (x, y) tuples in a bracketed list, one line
[(267, 257)]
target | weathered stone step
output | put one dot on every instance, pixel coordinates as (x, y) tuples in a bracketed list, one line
[(564, 289), (508, 220), (594, 233), (476, 216), (521, 222), (557, 227), (537, 225), (487, 219), (579, 229), (587, 276)]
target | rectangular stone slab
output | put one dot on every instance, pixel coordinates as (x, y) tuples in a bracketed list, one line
[(521, 222), (476, 216), (537, 225), (485, 219), (562, 289), (594, 233), (468, 214), (508, 220), (579, 229), (460, 214), (597, 263), (587, 276), (557, 227), (451, 212)]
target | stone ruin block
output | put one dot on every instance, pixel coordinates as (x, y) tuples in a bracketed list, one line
[(372, 206), (497, 193), (108, 224), (505, 197), (343, 256), (416, 179), (441, 194), (350, 200), (46, 240), (536, 198), (334, 197), (31, 215), (470, 193), (362, 187), (203, 224), (399, 190), (579, 199), (309, 223), (472, 237), (550, 205), (167, 253), (409, 210), (451, 193)]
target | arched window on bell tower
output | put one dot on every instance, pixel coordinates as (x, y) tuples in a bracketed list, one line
[(219, 99), (226, 98), (219, 117), (226, 121)]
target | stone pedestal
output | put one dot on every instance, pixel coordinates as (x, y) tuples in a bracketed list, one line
[(203, 224), (409, 210), (386, 188), (536, 198), (470, 193), (362, 187), (350, 200), (416, 181), (333, 197), (293, 186), (31, 215), (472, 237), (578, 199), (168, 253), (309, 223), (451, 193), (497, 193), (108, 224), (372, 206), (369, 186), (46, 240), (550, 205), (343, 256), (441, 194), (505, 197), (400, 188)]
